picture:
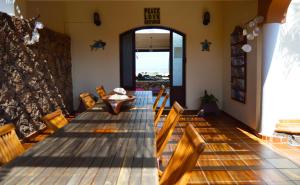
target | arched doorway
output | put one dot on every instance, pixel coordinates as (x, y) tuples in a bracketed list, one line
[(177, 59)]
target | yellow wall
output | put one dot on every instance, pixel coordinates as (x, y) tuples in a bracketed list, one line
[(239, 13), (205, 70), (102, 67), (52, 14)]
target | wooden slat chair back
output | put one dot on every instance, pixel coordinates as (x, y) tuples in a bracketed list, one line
[(87, 100), (184, 158), (160, 93), (101, 91), (168, 127), (10, 145), (160, 110), (55, 120)]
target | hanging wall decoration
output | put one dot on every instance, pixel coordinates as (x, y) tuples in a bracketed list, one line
[(97, 45), (97, 20), (152, 16), (250, 31), (205, 45), (34, 37)]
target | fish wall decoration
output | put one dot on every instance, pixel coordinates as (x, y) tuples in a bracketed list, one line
[(97, 45)]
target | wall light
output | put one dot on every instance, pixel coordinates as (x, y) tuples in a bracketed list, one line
[(206, 18), (97, 20)]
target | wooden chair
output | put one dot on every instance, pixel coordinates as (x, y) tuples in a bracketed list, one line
[(39, 136), (10, 145), (168, 127), (160, 93), (184, 158), (101, 91), (55, 120), (160, 110), (87, 100)]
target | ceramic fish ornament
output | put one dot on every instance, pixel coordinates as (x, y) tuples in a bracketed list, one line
[(205, 45), (98, 44)]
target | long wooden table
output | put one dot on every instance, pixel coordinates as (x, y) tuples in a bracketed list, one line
[(95, 148)]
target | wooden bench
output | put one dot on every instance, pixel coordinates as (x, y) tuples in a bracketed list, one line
[(288, 127)]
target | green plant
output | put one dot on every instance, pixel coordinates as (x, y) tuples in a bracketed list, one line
[(208, 98)]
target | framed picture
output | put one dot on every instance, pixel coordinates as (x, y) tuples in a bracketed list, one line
[(238, 61), (238, 72), (236, 49), (238, 95)]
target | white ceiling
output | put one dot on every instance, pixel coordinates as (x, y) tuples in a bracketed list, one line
[(152, 40)]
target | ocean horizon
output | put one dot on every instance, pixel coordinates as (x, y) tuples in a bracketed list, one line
[(152, 62)]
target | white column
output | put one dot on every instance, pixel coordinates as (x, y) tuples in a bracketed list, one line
[(8, 7), (13, 7), (268, 116)]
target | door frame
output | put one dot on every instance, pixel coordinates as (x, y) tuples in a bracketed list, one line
[(170, 59), (172, 98), (121, 59)]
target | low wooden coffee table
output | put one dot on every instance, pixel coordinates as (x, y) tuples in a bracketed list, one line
[(115, 105)]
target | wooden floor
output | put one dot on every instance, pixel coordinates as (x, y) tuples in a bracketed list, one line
[(233, 156)]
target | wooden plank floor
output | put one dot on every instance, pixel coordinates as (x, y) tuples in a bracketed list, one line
[(233, 156), (95, 148)]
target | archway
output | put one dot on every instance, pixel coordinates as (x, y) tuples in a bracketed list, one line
[(176, 50), (274, 11)]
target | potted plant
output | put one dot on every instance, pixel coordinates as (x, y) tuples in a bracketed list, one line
[(208, 105)]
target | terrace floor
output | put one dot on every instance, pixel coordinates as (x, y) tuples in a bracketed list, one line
[(234, 156)]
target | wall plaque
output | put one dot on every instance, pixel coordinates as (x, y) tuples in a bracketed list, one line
[(152, 16)]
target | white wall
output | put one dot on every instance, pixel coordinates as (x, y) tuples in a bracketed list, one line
[(7, 7), (204, 69), (281, 70), (239, 13), (13, 7)]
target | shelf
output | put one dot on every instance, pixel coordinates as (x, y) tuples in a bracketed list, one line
[(240, 58), (237, 77)]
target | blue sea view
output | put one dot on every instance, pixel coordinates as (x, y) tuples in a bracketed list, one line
[(152, 63)]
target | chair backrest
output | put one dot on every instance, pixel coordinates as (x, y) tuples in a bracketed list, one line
[(55, 120), (101, 91), (87, 100), (10, 145), (168, 127), (160, 110), (160, 93), (184, 158)]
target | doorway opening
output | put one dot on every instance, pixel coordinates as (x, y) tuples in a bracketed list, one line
[(152, 60), (151, 57)]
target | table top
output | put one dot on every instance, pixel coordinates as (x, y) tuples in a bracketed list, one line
[(95, 148)]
